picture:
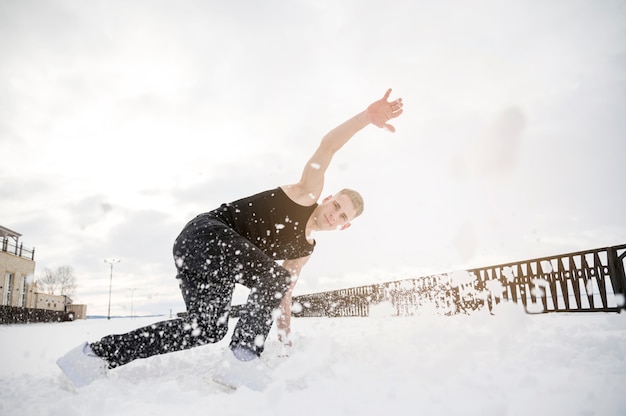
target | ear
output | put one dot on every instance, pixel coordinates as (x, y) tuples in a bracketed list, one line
[(327, 199), (346, 225)]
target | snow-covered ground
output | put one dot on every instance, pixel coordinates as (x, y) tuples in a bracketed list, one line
[(509, 363)]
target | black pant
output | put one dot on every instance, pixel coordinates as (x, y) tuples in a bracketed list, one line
[(210, 258)]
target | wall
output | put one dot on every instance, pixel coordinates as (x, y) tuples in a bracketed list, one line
[(79, 311), (51, 302), (20, 268)]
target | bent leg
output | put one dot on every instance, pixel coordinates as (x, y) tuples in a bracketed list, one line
[(268, 282), (238, 260), (207, 293), (210, 258), (206, 322)]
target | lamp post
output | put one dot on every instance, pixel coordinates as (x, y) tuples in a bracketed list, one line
[(111, 262)]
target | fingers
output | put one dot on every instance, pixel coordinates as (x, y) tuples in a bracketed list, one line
[(384, 110), (396, 106), (396, 113), (386, 98), (396, 110)]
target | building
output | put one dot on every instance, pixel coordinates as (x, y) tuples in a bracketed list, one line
[(17, 269), (18, 288)]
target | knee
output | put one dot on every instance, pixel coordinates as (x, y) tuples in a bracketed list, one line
[(217, 335), (208, 329)]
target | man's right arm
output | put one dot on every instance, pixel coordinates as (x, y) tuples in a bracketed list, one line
[(283, 323), (309, 189)]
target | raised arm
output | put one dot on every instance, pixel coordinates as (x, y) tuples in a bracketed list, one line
[(308, 190)]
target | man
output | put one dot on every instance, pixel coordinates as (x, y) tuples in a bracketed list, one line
[(242, 242)]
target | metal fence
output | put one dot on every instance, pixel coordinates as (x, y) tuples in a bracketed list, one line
[(585, 281), (18, 250)]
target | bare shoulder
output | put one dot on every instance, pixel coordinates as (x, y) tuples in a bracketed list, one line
[(298, 194)]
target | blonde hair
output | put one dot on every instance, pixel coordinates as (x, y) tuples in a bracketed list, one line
[(356, 198)]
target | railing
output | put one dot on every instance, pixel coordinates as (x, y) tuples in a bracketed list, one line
[(18, 250), (590, 280), (586, 281)]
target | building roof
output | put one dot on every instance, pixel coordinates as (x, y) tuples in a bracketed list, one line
[(5, 232)]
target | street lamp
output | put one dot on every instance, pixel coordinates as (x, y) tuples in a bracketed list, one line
[(111, 262)]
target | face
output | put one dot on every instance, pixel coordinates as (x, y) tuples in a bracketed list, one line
[(335, 213)]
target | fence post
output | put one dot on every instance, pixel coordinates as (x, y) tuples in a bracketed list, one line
[(616, 271)]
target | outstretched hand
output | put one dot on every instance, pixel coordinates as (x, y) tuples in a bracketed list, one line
[(381, 111)]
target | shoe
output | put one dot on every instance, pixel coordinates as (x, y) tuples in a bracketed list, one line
[(249, 371), (82, 366)]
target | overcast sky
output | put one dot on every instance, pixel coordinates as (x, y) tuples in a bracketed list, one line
[(122, 120)]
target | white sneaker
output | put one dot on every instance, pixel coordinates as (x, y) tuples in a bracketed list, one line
[(82, 366), (234, 373)]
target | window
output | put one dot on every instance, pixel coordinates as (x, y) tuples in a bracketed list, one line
[(8, 286), (23, 295)]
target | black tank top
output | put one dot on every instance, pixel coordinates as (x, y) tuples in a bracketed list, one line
[(272, 222)]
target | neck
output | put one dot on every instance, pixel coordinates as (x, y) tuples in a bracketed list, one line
[(311, 226)]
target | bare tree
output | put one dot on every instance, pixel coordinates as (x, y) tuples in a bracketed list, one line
[(58, 282), (47, 283)]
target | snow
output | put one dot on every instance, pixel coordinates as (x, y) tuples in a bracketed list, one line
[(509, 363)]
